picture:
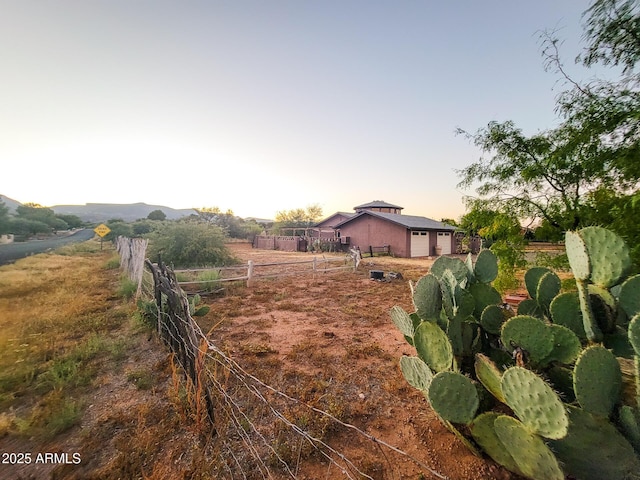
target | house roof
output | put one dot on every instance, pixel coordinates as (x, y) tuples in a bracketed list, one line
[(343, 214), (411, 222), (377, 204)]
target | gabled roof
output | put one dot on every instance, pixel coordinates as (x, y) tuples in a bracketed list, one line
[(342, 214), (377, 204), (411, 222)]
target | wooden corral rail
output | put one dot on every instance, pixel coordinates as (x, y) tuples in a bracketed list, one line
[(256, 271)]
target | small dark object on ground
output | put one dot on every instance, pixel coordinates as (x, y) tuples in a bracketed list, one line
[(376, 274), (395, 275)]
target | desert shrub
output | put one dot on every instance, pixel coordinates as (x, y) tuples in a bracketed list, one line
[(147, 314), (127, 289), (118, 228), (190, 245), (209, 279)]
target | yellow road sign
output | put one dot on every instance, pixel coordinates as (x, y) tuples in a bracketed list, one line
[(102, 229)]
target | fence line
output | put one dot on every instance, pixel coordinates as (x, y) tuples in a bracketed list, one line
[(229, 392), (350, 261), (132, 253)]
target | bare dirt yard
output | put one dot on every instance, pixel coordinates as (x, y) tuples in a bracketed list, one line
[(329, 341)]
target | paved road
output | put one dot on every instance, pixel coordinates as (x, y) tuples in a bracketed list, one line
[(14, 251)]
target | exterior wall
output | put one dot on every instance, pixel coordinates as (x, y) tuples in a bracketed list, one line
[(368, 231)]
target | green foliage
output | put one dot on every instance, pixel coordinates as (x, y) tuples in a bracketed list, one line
[(127, 289), (157, 215), (300, 218), (141, 228), (234, 227), (558, 384), (25, 226), (502, 233), (73, 221), (194, 309), (33, 212), (613, 209), (209, 279), (188, 244), (583, 171), (118, 228), (5, 219), (147, 313)]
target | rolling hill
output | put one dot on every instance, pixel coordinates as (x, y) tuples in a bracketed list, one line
[(101, 212)]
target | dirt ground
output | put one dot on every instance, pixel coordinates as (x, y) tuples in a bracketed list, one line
[(336, 328)]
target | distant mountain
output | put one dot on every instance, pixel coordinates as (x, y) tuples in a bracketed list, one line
[(129, 212), (11, 203)]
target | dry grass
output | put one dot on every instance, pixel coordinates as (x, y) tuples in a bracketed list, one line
[(56, 311)]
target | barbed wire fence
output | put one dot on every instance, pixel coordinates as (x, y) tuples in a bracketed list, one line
[(241, 412)]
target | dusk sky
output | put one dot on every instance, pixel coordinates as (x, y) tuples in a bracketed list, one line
[(262, 106)]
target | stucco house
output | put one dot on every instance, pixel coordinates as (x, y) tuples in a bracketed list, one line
[(378, 223)]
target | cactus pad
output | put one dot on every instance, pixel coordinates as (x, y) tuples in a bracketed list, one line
[(608, 255), (634, 334), (534, 402), (597, 380), (533, 457), (630, 423), (457, 266), (453, 397), (484, 295), (594, 449), (630, 296), (489, 375), (486, 268), (484, 433), (416, 373), (565, 310), (530, 334), (492, 319), (433, 346), (548, 288), (532, 279), (566, 345), (427, 298), (530, 307), (578, 256), (402, 320)]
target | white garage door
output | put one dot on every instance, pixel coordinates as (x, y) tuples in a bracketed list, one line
[(444, 241), (419, 244)]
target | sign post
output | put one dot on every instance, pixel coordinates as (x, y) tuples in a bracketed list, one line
[(101, 230)]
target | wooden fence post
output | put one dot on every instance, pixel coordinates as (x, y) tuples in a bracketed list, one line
[(250, 273)]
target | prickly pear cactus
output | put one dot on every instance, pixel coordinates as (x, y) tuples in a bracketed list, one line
[(550, 370), (453, 397)]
